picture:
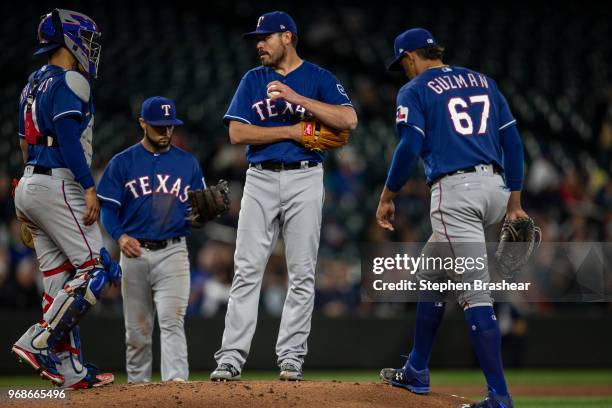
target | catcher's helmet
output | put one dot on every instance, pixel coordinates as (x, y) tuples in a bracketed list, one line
[(73, 30)]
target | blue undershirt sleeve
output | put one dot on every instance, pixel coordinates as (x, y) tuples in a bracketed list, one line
[(514, 157), (68, 138), (406, 154), (109, 215)]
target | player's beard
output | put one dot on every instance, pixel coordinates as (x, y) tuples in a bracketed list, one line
[(156, 144), (275, 60)]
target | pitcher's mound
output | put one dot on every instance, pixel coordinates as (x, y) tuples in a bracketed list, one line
[(254, 394)]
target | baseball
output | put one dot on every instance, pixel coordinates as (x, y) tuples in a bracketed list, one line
[(272, 92)]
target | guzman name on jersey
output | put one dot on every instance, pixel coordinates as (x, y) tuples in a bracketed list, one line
[(443, 83)]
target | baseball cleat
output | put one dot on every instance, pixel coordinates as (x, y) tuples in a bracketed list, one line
[(42, 364), (407, 377), (492, 401), (93, 379), (290, 372), (225, 372)]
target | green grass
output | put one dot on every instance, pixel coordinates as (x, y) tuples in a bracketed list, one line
[(526, 377), (565, 402), (438, 377)]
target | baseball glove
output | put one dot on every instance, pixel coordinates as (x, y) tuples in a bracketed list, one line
[(26, 236), (317, 136), (209, 203), (517, 241)]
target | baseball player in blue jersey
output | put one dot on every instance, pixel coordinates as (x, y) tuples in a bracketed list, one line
[(56, 198), (145, 208), (283, 190), (459, 123)]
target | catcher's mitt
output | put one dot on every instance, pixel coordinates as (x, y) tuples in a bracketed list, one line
[(317, 136), (26, 236), (209, 203), (517, 241)]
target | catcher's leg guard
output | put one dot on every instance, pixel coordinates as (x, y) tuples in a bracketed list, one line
[(69, 352), (77, 297), (40, 360)]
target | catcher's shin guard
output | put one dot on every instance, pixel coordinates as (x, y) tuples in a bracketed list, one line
[(77, 297)]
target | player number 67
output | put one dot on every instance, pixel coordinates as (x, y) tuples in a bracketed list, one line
[(462, 120)]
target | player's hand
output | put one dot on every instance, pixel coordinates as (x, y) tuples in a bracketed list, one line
[(129, 246), (514, 209), (295, 132), (385, 214), (92, 206), (515, 213), (278, 90)]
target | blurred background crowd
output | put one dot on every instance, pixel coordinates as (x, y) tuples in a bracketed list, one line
[(553, 65)]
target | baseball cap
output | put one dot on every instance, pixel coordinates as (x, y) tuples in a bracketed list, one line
[(410, 40), (159, 111), (273, 22)]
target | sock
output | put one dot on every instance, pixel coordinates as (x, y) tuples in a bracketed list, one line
[(486, 340), (428, 318)]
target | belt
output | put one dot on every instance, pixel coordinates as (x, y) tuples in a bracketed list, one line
[(153, 245), (471, 169), (42, 170), (279, 166)]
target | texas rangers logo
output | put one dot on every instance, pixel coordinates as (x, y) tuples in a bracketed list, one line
[(267, 108), (401, 115), (144, 186), (166, 109), (259, 21)]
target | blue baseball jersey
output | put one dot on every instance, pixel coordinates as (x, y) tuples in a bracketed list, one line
[(55, 99), (459, 113), (151, 191), (251, 105)]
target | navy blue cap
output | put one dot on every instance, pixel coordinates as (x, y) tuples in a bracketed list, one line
[(159, 111), (273, 22), (407, 41)]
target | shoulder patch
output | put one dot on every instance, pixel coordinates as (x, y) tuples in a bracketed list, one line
[(401, 115), (78, 85)]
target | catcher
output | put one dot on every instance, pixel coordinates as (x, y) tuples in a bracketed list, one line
[(148, 206), (288, 112)]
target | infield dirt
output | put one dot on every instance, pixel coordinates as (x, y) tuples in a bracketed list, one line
[(253, 394)]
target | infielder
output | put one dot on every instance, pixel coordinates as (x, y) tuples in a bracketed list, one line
[(284, 191), (460, 124), (145, 208), (56, 198)]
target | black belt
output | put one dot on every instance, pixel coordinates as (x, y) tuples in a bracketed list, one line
[(471, 169), (279, 166), (152, 245), (42, 170)]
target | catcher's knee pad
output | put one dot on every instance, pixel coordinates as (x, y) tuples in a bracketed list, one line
[(77, 297), (112, 268), (80, 297)]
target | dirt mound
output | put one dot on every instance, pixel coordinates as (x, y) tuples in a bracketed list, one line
[(255, 394)]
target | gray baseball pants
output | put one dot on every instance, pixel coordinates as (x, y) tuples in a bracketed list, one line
[(53, 207), (288, 202), (156, 281), (465, 210)]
